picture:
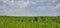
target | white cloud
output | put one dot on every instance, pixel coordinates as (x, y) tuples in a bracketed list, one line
[(54, 0), (42, 0), (19, 7), (2, 9), (20, 12), (55, 9), (4, 1), (21, 4), (58, 6), (41, 7), (33, 3)]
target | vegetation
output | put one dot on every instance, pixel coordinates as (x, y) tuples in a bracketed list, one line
[(29, 22)]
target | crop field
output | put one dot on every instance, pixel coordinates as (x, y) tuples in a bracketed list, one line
[(29, 22)]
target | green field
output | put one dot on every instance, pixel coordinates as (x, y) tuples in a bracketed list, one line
[(29, 22)]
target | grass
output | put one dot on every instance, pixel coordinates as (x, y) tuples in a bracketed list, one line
[(29, 22)]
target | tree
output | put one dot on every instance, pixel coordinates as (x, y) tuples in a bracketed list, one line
[(35, 18), (42, 18)]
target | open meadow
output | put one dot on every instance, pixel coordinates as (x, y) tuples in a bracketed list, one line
[(29, 22)]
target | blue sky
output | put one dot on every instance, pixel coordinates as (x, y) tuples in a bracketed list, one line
[(30, 7)]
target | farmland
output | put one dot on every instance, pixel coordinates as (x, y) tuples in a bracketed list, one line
[(29, 22)]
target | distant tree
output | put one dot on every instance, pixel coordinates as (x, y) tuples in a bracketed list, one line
[(4, 23), (58, 16), (42, 18), (35, 18), (22, 20), (53, 19)]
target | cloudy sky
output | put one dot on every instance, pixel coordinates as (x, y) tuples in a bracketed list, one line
[(30, 7)]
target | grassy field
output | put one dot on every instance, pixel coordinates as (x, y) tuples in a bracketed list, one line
[(29, 22)]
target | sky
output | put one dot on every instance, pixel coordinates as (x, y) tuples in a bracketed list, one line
[(30, 7)]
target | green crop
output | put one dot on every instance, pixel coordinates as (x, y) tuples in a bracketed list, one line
[(29, 22)]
